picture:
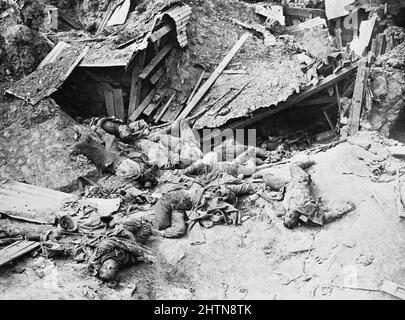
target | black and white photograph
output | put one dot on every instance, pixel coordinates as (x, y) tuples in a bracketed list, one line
[(178, 151)]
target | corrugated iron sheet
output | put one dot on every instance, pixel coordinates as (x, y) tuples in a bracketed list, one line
[(106, 54), (32, 202), (181, 16), (27, 202)]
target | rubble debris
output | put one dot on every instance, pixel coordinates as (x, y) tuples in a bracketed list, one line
[(207, 85), (162, 179)]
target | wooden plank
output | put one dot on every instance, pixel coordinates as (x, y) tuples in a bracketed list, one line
[(393, 289), (152, 66), (118, 103), (322, 85), (160, 33), (338, 33), (142, 106), (358, 95), (74, 65), (136, 84), (150, 108), (390, 43), (304, 12), (158, 74), (109, 102), (107, 16), (16, 250), (166, 106), (380, 44), (211, 80), (196, 87)]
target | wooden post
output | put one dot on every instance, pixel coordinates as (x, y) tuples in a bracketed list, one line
[(136, 84), (339, 41), (153, 64), (196, 87), (109, 102), (142, 106), (118, 103), (207, 85), (358, 95), (167, 105)]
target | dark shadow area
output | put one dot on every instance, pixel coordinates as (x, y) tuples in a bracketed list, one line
[(397, 130)]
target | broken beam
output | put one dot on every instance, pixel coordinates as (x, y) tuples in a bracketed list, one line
[(136, 84), (211, 80), (142, 106), (358, 95), (153, 64), (158, 74), (118, 103), (166, 106), (16, 250), (160, 33), (196, 87), (304, 12)]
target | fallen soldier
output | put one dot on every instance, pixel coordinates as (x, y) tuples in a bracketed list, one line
[(213, 204), (214, 163), (117, 248), (119, 129), (298, 203), (174, 146)]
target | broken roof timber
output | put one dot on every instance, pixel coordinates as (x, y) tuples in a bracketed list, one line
[(207, 85), (108, 54), (304, 12), (322, 85), (49, 77)]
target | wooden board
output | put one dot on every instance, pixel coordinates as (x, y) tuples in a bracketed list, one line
[(211, 80), (136, 84), (158, 74), (109, 102), (16, 250), (160, 33), (164, 109), (154, 63), (50, 76), (142, 106), (380, 47), (304, 12), (358, 95), (197, 85), (118, 103), (390, 43)]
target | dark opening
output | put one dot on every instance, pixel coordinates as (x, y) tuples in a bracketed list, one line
[(399, 19), (397, 130), (82, 95), (307, 122)]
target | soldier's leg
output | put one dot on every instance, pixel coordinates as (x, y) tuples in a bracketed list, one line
[(178, 226), (338, 212)]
